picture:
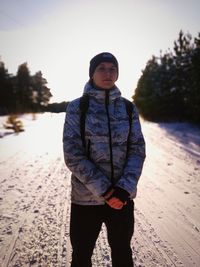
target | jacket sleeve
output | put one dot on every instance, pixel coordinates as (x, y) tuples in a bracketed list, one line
[(75, 155), (135, 158)]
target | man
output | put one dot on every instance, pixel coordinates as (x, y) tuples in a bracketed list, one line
[(106, 164)]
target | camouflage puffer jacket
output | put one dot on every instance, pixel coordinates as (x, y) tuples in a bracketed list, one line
[(106, 160)]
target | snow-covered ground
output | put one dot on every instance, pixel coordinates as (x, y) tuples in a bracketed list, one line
[(35, 198)]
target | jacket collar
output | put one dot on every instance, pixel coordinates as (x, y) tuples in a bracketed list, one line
[(100, 94)]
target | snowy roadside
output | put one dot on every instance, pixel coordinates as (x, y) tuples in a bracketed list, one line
[(35, 198), (168, 200)]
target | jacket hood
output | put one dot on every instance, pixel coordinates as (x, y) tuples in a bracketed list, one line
[(100, 94)]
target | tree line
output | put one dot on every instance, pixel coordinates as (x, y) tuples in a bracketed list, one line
[(169, 87), (24, 92)]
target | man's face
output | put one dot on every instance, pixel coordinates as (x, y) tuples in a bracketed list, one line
[(105, 75)]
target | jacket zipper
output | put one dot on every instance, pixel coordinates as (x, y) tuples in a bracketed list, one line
[(110, 136)]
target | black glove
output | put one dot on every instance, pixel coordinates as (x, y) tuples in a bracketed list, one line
[(120, 193)]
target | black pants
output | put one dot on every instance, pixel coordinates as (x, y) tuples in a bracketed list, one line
[(86, 222)]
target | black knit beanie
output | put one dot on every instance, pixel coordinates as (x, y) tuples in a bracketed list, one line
[(102, 57)]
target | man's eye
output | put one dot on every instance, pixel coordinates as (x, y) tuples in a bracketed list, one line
[(102, 69), (113, 69)]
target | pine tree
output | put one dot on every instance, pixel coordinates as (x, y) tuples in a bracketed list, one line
[(41, 93), (194, 94), (6, 90), (24, 88), (169, 87)]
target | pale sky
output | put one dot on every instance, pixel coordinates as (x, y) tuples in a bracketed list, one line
[(59, 37)]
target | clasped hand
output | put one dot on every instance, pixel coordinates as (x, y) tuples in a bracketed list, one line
[(113, 201)]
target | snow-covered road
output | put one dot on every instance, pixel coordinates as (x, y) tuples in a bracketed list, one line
[(35, 198)]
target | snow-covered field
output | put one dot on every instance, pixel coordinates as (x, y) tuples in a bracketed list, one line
[(35, 198)]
